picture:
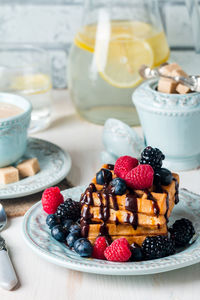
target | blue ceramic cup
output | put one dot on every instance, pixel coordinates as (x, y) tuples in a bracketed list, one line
[(13, 130), (170, 122)]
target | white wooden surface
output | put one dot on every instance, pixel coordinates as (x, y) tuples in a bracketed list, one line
[(41, 280)]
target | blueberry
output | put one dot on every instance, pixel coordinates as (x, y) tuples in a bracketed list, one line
[(66, 223), (75, 228), (103, 176), (119, 186), (164, 175), (58, 233), (52, 220), (72, 237), (137, 253), (83, 247)]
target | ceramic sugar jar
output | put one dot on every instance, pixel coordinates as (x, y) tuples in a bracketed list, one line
[(170, 122)]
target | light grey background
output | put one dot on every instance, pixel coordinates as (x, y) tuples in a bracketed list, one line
[(53, 23)]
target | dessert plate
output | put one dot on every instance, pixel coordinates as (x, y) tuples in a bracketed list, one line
[(37, 235), (54, 165)]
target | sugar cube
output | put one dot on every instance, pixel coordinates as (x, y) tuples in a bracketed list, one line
[(167, 86), (28, 167), (9, 175)]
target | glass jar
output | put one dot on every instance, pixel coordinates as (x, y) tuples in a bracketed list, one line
[(115, 39), (25, 70)]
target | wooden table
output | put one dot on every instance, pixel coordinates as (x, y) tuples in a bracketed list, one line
[(41, 280)]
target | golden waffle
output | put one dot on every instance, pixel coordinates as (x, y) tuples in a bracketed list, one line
[(125, 229), (134, 215), (139, 239), (162, 203), (144, 204), (98, 214)]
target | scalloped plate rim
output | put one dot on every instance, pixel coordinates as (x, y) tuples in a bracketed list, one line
[(67, 164), (113, 268)]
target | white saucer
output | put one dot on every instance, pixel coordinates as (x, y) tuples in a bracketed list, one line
[(55, 164), (38, 237)]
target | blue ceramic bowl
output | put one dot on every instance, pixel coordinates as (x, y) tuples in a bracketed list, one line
[(13, 130), (170, 122)]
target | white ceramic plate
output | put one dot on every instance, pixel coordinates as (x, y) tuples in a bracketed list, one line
[(54, 165), (37, 236)]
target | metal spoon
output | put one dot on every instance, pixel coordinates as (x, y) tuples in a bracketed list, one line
[(8, 279), (3, 217), (193, 82)]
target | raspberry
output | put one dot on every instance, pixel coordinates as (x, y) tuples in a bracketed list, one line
[(118, 251), (124, 164), (140, 177), (99, 247), (51, 199)]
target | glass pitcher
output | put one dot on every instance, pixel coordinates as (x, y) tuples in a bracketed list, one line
[(116, 38)]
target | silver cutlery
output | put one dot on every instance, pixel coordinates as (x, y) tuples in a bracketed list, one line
[(193, 82), (8, 278)]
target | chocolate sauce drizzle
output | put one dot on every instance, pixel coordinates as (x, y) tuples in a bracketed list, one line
[(109, 193), (167, 206), (156, 208), (177, 188), (104, 210), (84, 228), (87, 197), (130, 204), (159, 189)]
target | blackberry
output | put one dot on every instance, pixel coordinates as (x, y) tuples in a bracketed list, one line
[(152, 157), (157, 246), (181, 232), (69, 210)]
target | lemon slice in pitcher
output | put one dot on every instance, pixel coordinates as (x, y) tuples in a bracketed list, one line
[(119, 60), (32, 83), (85, 39)]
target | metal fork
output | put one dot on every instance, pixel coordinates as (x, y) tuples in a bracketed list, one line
[(8, 278)]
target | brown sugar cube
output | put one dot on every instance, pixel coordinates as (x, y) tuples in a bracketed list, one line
[(167, 86), (181, 88), (168, 69), (179, 73), (9, 175), (28, 167)]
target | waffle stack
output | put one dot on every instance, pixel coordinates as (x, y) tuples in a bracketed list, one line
[(134, 215)]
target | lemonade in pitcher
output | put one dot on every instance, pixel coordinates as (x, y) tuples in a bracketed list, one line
[(104, 62)]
